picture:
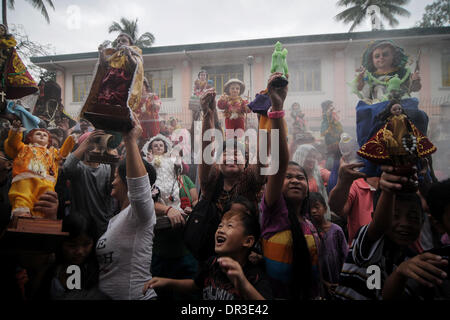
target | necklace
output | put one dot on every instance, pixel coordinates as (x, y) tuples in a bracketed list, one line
[(386, 83), (386, 72)]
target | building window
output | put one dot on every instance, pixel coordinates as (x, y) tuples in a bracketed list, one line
[(81, 84), (161, 82), (305, 75), (221, 74), (446, 69)]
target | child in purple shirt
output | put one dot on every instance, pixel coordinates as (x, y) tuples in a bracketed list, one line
[(333, 245)]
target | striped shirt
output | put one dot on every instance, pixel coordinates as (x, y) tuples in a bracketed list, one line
[(277, 244), (356, 277)]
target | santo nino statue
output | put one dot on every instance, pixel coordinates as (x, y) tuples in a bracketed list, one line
[(116, 89), (35, 167), (384, 73), (385, 76), (15, 81)]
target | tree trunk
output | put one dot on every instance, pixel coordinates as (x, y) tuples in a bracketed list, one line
[(4, 13)]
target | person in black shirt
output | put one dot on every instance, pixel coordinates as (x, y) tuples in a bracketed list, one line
[(229, 275)]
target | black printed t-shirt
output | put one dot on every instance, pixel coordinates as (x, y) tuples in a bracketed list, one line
[(215, 284)]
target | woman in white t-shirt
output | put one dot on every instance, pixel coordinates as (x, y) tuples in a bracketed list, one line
[(124, 251)]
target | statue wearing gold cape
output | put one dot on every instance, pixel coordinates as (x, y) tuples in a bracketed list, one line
[(116, 89), (398, 142)]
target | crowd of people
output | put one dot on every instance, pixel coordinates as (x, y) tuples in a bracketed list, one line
[(294, 234)]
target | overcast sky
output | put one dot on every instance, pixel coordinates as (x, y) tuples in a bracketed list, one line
[(185, 22)]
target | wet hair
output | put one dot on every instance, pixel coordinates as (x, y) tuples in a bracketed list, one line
[(315, 197), (236, 147), (249, 218), (76, 225), (122, 171), (32, 132), (301, 286), (438, 198)]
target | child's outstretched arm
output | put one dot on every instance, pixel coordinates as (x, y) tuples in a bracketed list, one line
[(185, 286), (208, 105), (277, 96), (424, 268), (382, 217), (13, 144), (234, 272), (338, 198)]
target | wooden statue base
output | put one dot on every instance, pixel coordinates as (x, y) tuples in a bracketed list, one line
[(36, 225), (101, 158), (110, 117), (33, 234)]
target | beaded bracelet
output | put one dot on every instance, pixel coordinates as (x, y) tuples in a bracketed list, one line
[(275, 114)]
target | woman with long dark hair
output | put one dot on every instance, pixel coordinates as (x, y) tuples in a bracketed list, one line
[(289, 240)]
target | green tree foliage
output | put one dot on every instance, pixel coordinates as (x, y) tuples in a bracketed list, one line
[(130, 27), (436, 14), (356, 11), (37, 4), (27, 49)]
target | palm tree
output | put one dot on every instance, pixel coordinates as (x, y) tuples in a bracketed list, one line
[(358, 11), (130, 27), (37, 4)]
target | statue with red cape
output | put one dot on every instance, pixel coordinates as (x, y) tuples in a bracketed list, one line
[(116, 89)]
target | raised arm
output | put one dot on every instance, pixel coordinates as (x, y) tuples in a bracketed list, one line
[(338, 196), (208, 104), (277, 97), (87, 144), (384, 211), (70, 166), (139, 189), (135, 166)]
